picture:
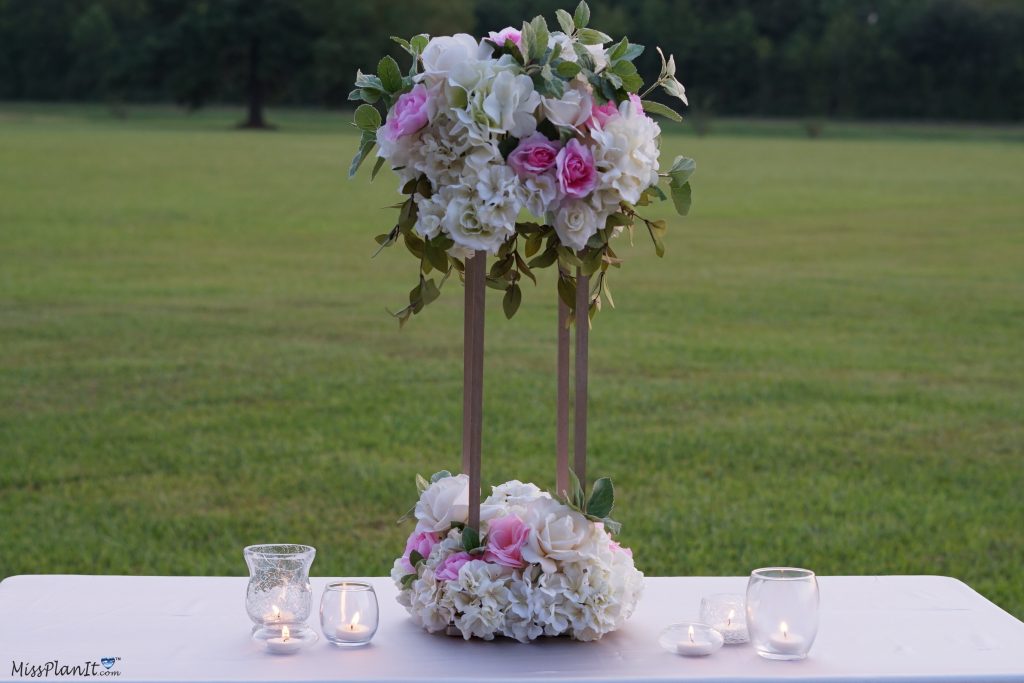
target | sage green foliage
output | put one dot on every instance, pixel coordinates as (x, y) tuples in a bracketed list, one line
[(824, 371)]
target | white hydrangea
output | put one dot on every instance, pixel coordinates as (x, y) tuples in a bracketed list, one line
[(626, 157)]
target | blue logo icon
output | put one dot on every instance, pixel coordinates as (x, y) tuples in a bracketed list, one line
[(108, 662)]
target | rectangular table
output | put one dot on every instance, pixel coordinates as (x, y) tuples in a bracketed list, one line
[(873, 628)]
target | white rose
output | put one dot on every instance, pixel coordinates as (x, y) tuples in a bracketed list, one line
[(556, 533), (444, 53), (511, 104), (572, 110), (511, 497), (626, 155), (575, 222), (465, 226), (445, 501)]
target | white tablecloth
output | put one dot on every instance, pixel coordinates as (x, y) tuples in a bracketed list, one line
[(884, 628)]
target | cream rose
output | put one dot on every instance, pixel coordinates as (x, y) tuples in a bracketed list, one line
[(445, 501), (557, 533)]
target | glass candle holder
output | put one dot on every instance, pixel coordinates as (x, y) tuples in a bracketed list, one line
[(348, 613), (726, 613), (278, 593), (782, 611)]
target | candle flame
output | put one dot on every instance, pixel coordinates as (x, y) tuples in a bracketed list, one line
[(732, 613), (691, 634), (784, 627), (285, 633), (355, 621), (275, 613)]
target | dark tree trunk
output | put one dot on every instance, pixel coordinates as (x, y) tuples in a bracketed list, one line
[(254, 89)]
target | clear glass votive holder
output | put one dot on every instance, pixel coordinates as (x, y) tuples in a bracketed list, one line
[(278, 593), (349, 613), (726, 613), (782, 612)]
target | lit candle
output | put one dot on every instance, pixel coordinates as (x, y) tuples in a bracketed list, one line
[(285, 644), (784, 642), (352, 632), (695, 645), (276, 616), (733, 631)]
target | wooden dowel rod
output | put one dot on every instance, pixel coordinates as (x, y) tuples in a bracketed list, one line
[(562, 412), (580, 399), (476, 282)]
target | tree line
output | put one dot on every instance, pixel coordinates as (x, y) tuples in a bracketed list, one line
[(938, 59)]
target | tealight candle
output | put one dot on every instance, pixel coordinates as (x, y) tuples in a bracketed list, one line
[(726, 614), (785, 642), (352, 632), (285, 644), (691, 647), (690, 640), (276, 616)]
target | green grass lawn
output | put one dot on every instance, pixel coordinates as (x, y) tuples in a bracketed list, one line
[(826, 370)]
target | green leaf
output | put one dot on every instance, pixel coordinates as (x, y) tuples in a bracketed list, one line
[(534, 242), (366, 143), (437, 256), (438, 476), (408, 580), (389, 74), (602, 499), (590, 36), (419, 42), (546, 258), (567, 291), (576, 494), (611, 526), (510, 302), (661, 110), (526, 40), (682, 169), (415, 558), (376, 167), (470, 539), (539, 44), (428, 291), (403, 42), (658, 229), (567, 70), (367, 118), (565, 21), (581, 17), (524, 268), (682, 198)]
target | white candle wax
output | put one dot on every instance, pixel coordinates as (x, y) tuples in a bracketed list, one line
[(733, 633), (284, 644), (786, 643), (695, 645), (351, 633)]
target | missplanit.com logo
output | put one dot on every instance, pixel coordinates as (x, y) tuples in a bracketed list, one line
[(105, 666)]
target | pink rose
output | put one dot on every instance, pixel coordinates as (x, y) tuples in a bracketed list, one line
[(505, 539), (507, 33), (408, 115), (534, 155), (422, 542), (600, 115), (449, 568), (576, 173)]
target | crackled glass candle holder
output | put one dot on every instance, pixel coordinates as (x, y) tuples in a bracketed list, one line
[(349, 613), (782, 612), (278, 593), (726, 614)]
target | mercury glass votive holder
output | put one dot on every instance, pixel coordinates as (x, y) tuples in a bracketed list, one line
[(349, 613), (278, 593), (782, 612), (727, 614)]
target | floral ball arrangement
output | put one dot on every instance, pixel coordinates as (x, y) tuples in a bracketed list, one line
[(553, 124), (538, 567)]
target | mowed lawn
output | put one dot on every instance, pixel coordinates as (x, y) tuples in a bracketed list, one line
[(826, 369)]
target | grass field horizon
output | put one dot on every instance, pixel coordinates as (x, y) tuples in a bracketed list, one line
[(825, 370)]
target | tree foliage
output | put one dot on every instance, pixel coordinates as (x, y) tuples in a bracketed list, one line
[(952, 59)]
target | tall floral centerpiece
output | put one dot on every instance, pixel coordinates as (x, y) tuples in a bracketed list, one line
[(535, 148)]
